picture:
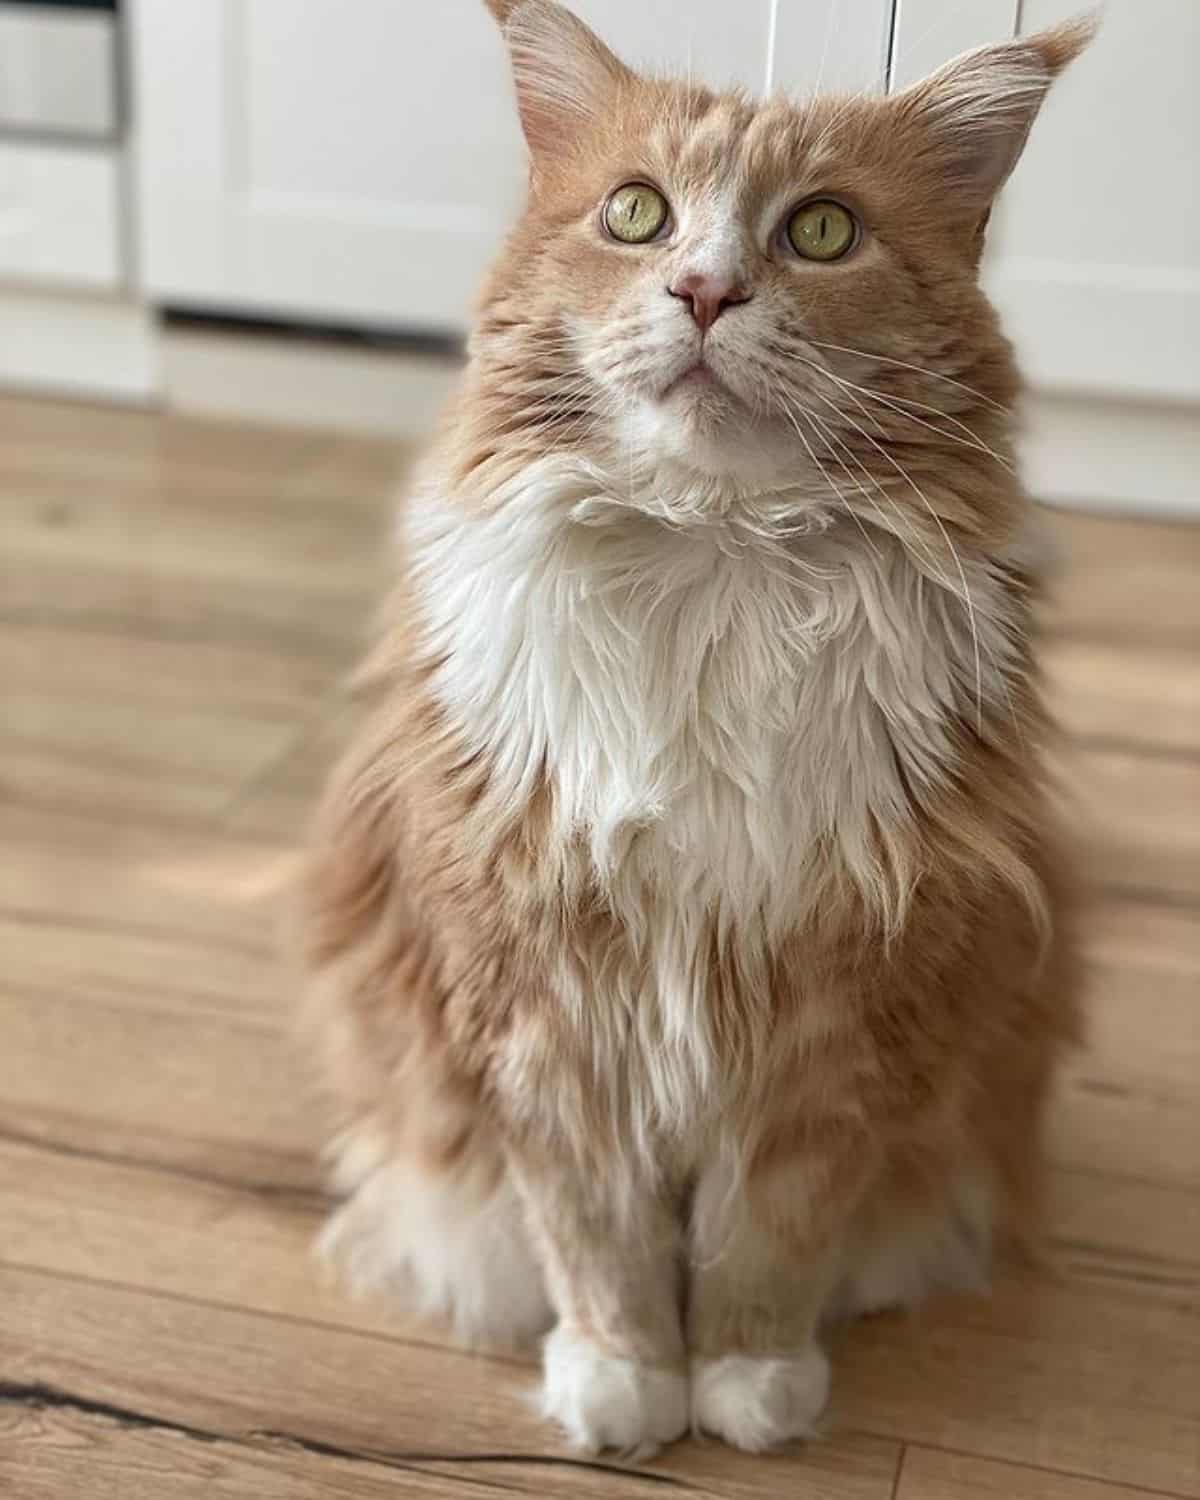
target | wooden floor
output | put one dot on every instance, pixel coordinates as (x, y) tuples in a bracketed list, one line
[(178, 603)]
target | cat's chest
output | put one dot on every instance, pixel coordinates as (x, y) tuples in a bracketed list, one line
[(708, 715), (709, 745)]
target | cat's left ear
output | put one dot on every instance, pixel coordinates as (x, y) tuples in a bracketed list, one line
[(974, 115)]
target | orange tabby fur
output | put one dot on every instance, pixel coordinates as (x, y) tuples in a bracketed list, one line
[(614, 1080)]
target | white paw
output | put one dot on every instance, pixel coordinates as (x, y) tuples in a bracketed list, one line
[(757, 1403), (602, 1402)]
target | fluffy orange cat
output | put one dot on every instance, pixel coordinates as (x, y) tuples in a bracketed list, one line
[(688, 943)]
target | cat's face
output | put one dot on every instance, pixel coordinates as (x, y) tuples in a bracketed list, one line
[(742, 286), (787, 239)]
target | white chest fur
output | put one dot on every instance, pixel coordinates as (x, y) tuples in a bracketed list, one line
[(708, 702)]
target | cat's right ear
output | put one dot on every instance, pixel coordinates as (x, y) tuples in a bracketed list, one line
[(566, 78)]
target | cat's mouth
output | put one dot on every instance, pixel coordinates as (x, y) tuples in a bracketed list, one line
[(699, 377)]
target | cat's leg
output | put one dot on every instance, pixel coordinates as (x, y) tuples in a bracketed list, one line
[(766, 1244), (615, 1368)]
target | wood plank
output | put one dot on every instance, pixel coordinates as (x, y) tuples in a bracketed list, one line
[(280, 803), (1083, 1379), (64, 749), (1128, 1102), (234, 1374), (48, 960), (198, 532), (216, 1096), (50, 1453), (89, 871), (204, 1240), (1144, 1022), (1141, 1236), (154, 444), (130, 598), (1139, 694), (1122, 579), (223, 517), (150, 442), (929, 1475), (1124, 814), (368, 473), (1099, 1123), (163, 675), (244, 539), (1150, 939)]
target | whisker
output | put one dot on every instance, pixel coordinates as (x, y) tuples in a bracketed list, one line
[(973, 440), (792, 418), (965, 597), (885, 359)]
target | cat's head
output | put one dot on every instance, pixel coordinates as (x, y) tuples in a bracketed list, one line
[(745, 286)]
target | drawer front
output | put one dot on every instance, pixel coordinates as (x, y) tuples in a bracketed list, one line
[(58, 71), (60, 214)]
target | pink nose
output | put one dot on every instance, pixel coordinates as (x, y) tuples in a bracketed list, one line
[(709, 296)]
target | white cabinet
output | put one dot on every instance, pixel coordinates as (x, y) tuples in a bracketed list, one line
[(356, 163)]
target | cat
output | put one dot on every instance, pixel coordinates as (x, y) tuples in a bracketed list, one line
[(690, 945)]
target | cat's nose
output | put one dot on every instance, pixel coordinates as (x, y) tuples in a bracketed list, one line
[(708, 295)]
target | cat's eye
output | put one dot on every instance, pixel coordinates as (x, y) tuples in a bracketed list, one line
[(822, 230), (636, 213)]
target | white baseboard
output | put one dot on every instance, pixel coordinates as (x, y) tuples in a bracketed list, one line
[(291, 382), (68, 344), (1139, 458)]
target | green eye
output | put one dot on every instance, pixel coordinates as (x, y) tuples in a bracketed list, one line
[(822, 230), (635, 213)]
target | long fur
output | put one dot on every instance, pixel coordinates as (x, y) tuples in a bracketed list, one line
[(690, 951)]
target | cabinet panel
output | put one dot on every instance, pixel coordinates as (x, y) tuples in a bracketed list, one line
[(319, 162), (57, 70), (930, 32), (708, 39), (831, 46), (59, 214)]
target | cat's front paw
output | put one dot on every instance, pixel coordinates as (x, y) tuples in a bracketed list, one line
[(603, 1402), (757, 1403)]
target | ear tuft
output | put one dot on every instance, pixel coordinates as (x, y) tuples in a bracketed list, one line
[(566, 77), (976, 112), (1060, 45)]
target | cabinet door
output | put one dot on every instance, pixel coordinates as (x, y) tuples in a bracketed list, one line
[(1095, 260), (358, 163)]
